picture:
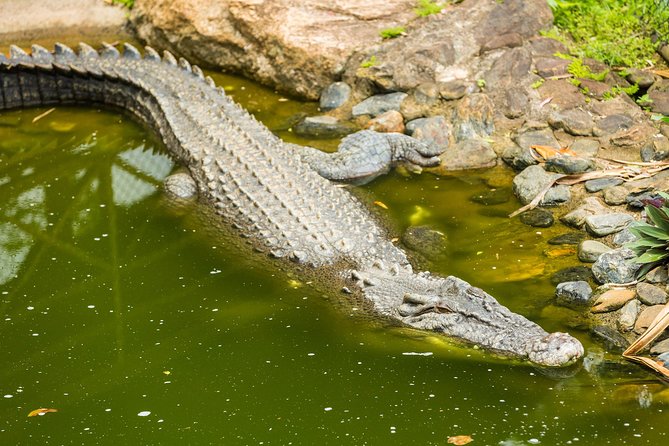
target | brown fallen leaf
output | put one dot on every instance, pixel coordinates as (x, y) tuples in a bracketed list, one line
[(381, 204), (663, 73), (41, 411), (546, 152), (612, 300), (655, 329), (460, 439)]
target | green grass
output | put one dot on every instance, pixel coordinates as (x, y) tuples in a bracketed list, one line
[(368, 62), (616, 32), (126, 3), (427, 7), (391, 33)]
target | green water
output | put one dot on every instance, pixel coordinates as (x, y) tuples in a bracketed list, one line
[(113, 306)]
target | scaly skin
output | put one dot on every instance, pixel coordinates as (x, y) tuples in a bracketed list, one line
[(275, 192)]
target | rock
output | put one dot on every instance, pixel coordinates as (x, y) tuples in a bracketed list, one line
[(628, 315), (574, 121), (569, 165), (658, 275), (376, 105), (452, 90), (426, 241), (623, 237), (641, 199), (322, 127), (472, 153), (655, 150), (559, 251), (561, 94), (434, 131), (517, 157), (590, 250), (541, 137), (551, 66), (509, 40), (612, 124), (473, 117), (646, 317), (571, 274), (615, 266), (573, 294), (610, 338), (538, 218), (615, 195), (590, 206), (585, 148), (570, 238), (601, 183), (660, 347), (299, 47), (651, 294), (335, 95), (493, 197), (644, 79), (660, 102), (421, 101), (532, 180), (612, 300), (601, 225), (391, 121), (664, 52)]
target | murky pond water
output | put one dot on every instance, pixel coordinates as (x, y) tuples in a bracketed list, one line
[(140, 327)]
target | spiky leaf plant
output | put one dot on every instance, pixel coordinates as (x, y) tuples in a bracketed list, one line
[(652, 240)]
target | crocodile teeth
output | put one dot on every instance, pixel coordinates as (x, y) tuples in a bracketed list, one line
[(109, 52), (185, 65), (169, 58), (130, 52), (151, 54), (64, 52), (87, 51)]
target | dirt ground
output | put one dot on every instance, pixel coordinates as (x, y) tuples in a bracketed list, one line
[(40, 21)]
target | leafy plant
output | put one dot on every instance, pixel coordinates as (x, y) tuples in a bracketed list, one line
[(538, 83), (652, 239), (616, 90), (126, 3), (368, 62), (391, 33), (578, 69), (481, 83), (616, 32), (427, 7)]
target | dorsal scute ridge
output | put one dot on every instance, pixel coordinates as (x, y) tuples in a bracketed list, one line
[(130, 52), (185, 65), (109, 51), (169, 58), (17, 54), (87, 52), (197, 71), (41, 55), (151, 54), (210, 82), (63, 52)]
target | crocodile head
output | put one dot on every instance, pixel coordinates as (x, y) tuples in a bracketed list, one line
[(456, 309)]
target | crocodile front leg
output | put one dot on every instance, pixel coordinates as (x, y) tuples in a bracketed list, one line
[(365, 155)]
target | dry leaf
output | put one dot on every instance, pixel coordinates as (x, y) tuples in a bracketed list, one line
[(663, 73), (612, 300), (42, 411), (655, 329), (381, 204), (546, 152), (460, 439)]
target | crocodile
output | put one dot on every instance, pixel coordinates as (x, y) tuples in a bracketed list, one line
[(283, 196)]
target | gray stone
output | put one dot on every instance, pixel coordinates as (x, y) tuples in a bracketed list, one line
[(493, 197), (542, 137), (601, 183), (569, 238), (650, 294), (573, 294), (628, 315), (623, 237), (473, 117), (569, 165), (551, 66), (656, 149), (660, 102), (571, 274), (644, 79), (590, 206), (615, 266), (322, 127), (574, 121), (660, 347), (613, 340), (452, 90), (539, 218), (658, 275), (517, 157), (590, 250), (601, 225), (335, 95), (388, 122), (640, 200), (664, 52), (612, 124), (585, 148), (615, 195), (434, 131), (378, 104), (534, 179), (473, 153)]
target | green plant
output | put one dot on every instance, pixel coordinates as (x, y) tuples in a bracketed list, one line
[(652, 239), (368, 62), (616, 90), (126, 3), (481, 83), (578, 69), (644, 100), (660, 118), (391, 33), (538, 83), (427, 7), (616, 32)]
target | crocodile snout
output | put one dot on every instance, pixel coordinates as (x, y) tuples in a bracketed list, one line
[(555, 350)]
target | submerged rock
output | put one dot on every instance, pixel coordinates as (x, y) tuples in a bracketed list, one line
[(322, 127), (571, 274), (569, 238), (610, 338), (426, 241), (573, 294), (538, 218)]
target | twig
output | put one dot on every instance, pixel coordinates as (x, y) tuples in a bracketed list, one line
[(40, 116)]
